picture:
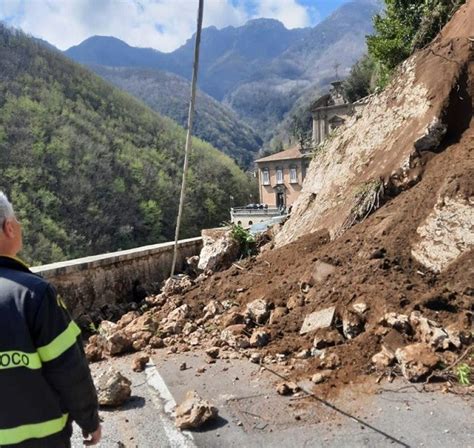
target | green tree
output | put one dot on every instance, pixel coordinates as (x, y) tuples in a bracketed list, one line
[(406, 26), (360, 81)]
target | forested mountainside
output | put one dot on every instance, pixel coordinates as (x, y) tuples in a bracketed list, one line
[(259, 69), (90, 169), (168, 94)]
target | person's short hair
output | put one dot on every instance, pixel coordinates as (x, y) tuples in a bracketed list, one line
[(6, 209)]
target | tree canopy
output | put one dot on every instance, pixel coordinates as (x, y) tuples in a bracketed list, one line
[(89, 169), (405, 26)]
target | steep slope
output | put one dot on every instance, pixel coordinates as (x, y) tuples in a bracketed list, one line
[(168, 94), (381, 152), (413, 257), (91, 169)]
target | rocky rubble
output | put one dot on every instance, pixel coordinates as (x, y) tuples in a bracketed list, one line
[(366, 304)]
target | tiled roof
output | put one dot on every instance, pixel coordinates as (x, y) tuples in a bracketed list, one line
[(291, 153)]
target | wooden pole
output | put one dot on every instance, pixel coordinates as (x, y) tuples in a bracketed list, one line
[(189, 132)]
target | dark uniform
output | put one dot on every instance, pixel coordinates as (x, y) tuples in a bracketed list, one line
[(45, 382)]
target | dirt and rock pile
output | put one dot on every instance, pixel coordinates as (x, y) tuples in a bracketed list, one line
[(353, 293)]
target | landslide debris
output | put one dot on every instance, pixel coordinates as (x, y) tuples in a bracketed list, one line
[(365, 304)]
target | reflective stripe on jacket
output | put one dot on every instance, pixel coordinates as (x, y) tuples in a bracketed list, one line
[(45, 381)]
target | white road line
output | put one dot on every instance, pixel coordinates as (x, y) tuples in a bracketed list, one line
[(176, 437)]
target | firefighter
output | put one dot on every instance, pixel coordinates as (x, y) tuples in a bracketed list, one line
[(45, 382)]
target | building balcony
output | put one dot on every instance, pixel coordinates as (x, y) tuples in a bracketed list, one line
[(246, 216)]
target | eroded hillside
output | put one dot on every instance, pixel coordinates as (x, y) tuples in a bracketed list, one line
[(373, 271)]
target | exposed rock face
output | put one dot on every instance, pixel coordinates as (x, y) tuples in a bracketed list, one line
[(113, 389), (446, 233), (385, 144), (193, 412), (219, 249)]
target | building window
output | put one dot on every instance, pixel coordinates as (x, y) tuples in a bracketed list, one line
[(279, 175), (265, 176), (293, 175)]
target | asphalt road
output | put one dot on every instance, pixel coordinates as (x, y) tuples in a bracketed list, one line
[(251, 414)]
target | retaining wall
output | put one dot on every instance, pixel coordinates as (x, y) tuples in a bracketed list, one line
[(87, 284)]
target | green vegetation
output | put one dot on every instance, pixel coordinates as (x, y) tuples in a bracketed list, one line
[(464, 374), (361, 80), (406, 26), (90, 169), (168, 94), (245, 239)]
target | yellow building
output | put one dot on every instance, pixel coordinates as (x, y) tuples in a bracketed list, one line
[(280, 177)]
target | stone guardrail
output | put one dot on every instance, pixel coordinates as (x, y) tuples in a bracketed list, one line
[(90, 283)]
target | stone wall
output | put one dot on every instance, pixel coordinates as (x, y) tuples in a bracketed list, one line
[(87, 284)]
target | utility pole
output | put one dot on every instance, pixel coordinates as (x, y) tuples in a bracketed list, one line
[(189, 133)]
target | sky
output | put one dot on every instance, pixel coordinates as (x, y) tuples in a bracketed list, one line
[(161, 24)]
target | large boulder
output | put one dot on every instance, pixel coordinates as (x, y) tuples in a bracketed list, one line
[(193, 412), (113, 389), (219, 249)]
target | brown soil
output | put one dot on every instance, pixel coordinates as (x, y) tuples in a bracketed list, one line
[(373, 259)]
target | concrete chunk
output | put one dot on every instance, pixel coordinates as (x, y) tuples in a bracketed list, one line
[(318, 319)]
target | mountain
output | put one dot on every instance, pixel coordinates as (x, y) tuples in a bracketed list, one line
[(258, 69), (168, 94), (91, 169)]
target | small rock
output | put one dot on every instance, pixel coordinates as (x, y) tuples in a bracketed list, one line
[(127, 319), (156, 342), (416, 361), (183, 366), (320, 377), (200, 369), (193, 412), (259, 338), (235, 337), (398, 321), (318, 319), (177, 284), (330, 361), (277, 314), (321, 271), (383, 359), (327, 338), (360, 307), (113, 389), (255, 358), (303, 354), (213, 308), (213, 352), (258, 311), (377, 254), (232, 318), (139, 363), (287, 388), (295, 301), (429, 331), (352, 324)]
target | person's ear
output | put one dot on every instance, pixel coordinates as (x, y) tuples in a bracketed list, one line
[(8, 228)]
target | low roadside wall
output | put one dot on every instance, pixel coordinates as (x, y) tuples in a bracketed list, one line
[(87, 284)]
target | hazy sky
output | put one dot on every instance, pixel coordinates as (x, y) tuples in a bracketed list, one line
[(160, 24)]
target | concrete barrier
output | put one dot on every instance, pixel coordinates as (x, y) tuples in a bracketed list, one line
[(87, 284)]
